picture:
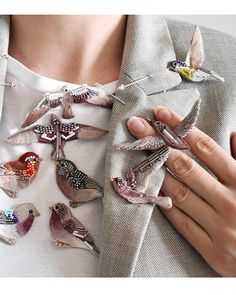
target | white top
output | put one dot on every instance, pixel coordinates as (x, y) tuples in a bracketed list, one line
[(35, 254)]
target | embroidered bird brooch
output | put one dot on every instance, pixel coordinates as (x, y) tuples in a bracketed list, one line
[(191, 69), (165, 135), (134, 187), (65, 99), (68, 231), (18, 174), (75, 184), (16, 223), (57, 134)]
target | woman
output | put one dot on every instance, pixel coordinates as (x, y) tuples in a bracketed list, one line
[(136, 240)]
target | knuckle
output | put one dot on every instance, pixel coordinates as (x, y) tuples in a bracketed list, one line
[(229, 207), (187, 229), (183, 165), (181, 193), (206, 145)]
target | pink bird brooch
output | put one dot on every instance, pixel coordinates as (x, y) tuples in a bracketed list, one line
[(66, 98), (134, 187), (16, 223), (68, 231), (18, 174), (57, 134)]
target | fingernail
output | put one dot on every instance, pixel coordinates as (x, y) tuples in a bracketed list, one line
[(136, 125), (163, 114)]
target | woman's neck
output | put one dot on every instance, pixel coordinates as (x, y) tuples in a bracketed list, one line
[(79, 49)]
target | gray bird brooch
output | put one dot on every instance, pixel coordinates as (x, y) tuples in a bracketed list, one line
[(68, 231), (16, 223), (191, 69), (75, 184), (57, 134), (16, 175), (134, 187), (66, 98)]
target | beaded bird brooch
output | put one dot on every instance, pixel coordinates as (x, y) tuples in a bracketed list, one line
[(75, 184), (65, 98), (15, 223), (191, 69), (57, 134), (18, 174), (68, 231)]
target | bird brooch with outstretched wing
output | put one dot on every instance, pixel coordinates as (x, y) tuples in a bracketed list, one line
[(165, 135), (66, 98), (57, 134)]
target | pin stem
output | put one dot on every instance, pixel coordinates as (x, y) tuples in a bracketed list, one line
[(122, 86), (99, 85)]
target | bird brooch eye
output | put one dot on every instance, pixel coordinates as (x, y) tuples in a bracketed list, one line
[(31, 211)]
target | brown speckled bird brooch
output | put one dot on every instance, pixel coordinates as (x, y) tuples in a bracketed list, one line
[(57, 134), (75, 184), (68, 231)]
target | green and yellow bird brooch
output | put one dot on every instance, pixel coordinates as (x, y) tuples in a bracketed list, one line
[(191, 69)]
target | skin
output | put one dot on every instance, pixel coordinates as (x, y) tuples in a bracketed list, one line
[(79, 49), (204, 207)]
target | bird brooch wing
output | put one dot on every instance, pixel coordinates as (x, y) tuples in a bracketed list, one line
[(78, 230), (49, 100), (189, 121), (89, 132), (195, 56), (92, 95), (146, 143), (37, 133), (138, 176)]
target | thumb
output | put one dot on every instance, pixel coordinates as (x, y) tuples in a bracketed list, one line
[(233, 145)]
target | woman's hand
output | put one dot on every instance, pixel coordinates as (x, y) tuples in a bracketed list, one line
[(204, 207)]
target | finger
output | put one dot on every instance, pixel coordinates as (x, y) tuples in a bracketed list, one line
[(233, 145), (139, 127), (196, 178), (190, 230), (186, 200), (204, 148)]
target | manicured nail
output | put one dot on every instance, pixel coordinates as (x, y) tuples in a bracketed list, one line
[(136, 125), (163, 114)]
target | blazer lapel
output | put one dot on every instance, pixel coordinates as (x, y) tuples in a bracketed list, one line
[(147, 50)]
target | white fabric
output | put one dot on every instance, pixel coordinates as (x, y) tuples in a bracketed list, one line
[(35, 254)]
